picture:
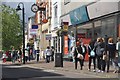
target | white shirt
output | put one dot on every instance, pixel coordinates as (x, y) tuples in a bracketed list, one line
[(48, 52), (117, 45), (83, 49), (26, 53), (73, 49)]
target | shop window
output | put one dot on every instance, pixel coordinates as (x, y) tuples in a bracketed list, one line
[(108, 27)]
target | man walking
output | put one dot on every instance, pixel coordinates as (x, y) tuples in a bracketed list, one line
[(37, 52)]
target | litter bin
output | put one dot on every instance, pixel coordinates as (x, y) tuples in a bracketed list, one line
[(58, 60)]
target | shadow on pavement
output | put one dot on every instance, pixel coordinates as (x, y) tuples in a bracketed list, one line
[(15, 71)]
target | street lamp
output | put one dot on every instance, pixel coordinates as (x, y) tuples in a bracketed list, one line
[(23, 15)]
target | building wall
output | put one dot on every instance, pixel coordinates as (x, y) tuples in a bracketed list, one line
[(44, 15), (55, 22)]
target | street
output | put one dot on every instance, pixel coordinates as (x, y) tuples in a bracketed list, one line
[(31, 72)]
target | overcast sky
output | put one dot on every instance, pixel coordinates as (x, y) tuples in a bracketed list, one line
[(27, 5)]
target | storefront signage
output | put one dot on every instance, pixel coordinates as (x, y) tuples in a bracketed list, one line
[(33, 31), (65, 45), (79, 15), (48, 36), (101, 8), (65, 27), (34, 26)]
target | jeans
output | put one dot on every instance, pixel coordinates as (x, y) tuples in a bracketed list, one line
[(94, 62), (99, 62), (37, 57), (80, 61), (47, 58)]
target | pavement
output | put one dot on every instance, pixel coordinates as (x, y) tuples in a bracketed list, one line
[(67, 66)]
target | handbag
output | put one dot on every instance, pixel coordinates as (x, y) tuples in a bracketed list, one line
[(80, 56)]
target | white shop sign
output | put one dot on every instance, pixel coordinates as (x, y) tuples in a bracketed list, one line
[(101, 8)]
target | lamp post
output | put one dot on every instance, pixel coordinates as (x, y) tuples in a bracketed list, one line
[(23, 15)]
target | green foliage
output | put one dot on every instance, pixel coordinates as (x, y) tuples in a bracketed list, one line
[(11, 28)]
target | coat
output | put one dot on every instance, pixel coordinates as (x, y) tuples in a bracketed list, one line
[(80, 50)]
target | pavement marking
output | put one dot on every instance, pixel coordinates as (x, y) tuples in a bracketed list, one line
[(14, 66), (33, 67), (49, 70), (43, 69)]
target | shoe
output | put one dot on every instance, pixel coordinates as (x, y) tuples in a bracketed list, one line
[(115, 71), (102, 71), (81, 68), (98, 71), (94, 70), (89, 70), (107, 71)]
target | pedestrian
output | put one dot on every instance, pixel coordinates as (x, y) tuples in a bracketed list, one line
[(92, 55), (48, 54), (30, 53), (111, 53), (13, 55), (83, 50), (26, 55), (20, 55), (4, 57), (99, 49), (37, 53), (72, 52), (78, 56), (118, 51), (52, 54)]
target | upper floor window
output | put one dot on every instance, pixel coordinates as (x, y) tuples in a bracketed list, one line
[(66, 2)]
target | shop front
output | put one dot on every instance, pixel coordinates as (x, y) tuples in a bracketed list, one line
[(89, 22)]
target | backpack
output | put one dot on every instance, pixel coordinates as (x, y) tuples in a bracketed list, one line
[(92, 52), (99, 50)]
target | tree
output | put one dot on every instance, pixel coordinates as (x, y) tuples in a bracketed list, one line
[(11, 28)]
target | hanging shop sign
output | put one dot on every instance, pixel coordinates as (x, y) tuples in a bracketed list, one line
[(65, 27), (34, 26), (33, 31), (79, 15)]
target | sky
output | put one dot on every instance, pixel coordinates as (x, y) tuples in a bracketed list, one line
[(27, 7)]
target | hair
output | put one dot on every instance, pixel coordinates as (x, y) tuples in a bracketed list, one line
[(52, 47), (98, 39), (110, 40), (48, 47), (118, 39)]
